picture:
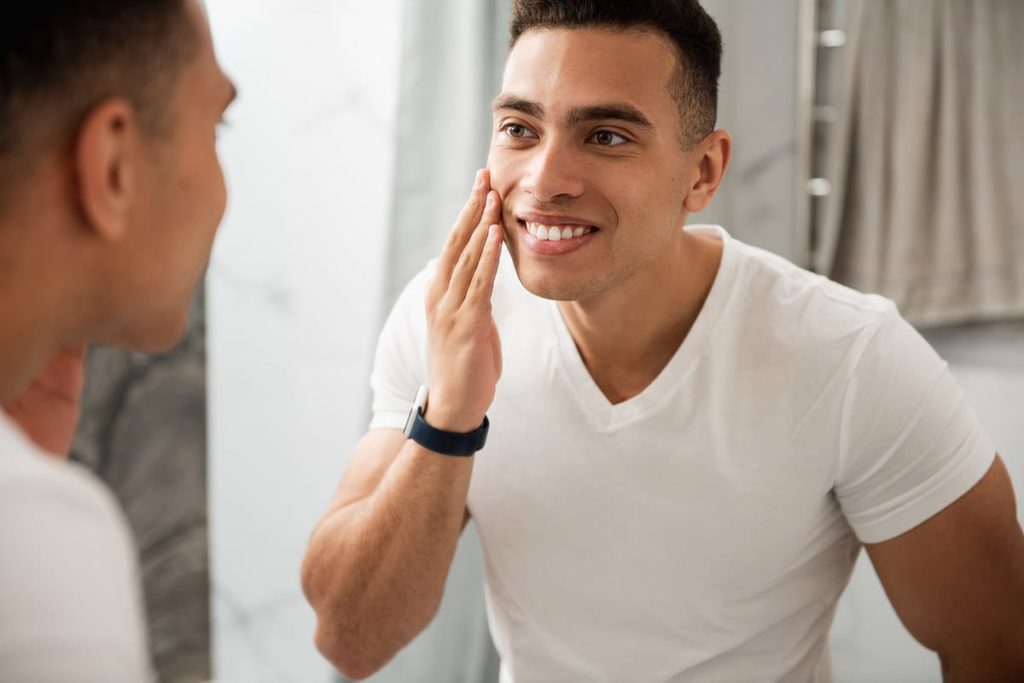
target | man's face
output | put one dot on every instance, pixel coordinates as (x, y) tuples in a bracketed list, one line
[(587, 140), (182, 201)]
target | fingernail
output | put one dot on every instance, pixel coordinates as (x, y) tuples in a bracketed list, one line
[(479, 180), (490, 200)]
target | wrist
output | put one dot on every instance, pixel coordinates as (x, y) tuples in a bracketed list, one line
[(439, 415), (451, 439)]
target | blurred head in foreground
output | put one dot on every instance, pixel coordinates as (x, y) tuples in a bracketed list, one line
[(110, 186)]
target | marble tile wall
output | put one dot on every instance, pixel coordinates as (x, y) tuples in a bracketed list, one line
[(757, 104), (294, 294), (143, 431)]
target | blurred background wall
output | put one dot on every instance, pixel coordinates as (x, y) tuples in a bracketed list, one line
[(348, 155), (294, 297), (143, 430)]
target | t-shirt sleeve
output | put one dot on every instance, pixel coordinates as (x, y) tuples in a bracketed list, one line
[(400, 364), (71, 604), (909, 443)]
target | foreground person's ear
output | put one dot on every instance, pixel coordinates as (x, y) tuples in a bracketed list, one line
[(106, 153)]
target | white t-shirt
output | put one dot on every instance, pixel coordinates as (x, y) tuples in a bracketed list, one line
[(703, 530), (70, 604)]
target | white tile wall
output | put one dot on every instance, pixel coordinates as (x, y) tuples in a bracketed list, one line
[(294, 298)]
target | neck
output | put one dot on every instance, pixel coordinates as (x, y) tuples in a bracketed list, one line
[(627, 335), (32, 323)]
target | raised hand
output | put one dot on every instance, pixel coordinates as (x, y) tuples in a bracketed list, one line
[(465, 351), (47, 409)]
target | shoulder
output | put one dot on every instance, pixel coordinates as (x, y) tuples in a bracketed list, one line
[(51, 508), (797, 308), (68, 577), (38, 487)]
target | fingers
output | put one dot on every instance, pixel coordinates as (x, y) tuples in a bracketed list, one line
[(482, 286), (467, 264), (468, 219)]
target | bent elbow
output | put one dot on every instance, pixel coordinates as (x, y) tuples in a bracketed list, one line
[(308, 579), (350, 661)]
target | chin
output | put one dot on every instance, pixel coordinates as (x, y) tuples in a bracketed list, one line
[(168, 335), (154, 335), (556, 286), (567, 278)]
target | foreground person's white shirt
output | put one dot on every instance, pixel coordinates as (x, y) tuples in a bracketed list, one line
[(703, 530), (70, 606)]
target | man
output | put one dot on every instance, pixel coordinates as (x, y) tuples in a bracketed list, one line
[(691, 438), (110, 194)]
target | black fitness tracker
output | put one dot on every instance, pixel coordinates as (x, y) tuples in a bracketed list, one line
[(438, 440)]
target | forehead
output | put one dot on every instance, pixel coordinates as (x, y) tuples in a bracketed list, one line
[(563, 68)]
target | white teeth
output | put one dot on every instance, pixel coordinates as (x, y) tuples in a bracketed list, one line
[(556, 233)]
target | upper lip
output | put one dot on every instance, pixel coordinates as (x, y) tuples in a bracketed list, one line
[(554, 220)]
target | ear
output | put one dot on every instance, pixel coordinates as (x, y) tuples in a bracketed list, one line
[(713, 154), (106, 161)]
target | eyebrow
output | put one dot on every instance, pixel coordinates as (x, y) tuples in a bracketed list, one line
[(600, 112), (604, 112), (511, 102)]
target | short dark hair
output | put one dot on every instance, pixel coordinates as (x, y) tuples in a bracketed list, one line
[(694, 33), (60, 58)]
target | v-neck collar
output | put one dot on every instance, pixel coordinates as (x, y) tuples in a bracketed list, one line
[(608, 417)]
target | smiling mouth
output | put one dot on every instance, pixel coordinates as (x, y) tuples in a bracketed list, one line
[(562, 232)]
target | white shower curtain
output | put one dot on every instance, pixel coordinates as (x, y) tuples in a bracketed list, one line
[(927, 159)]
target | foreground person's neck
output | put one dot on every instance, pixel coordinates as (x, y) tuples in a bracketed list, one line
[(30, 325)]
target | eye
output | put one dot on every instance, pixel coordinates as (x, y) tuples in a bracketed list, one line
[(517, 131), (606, 138)]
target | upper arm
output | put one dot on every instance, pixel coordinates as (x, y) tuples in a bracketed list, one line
[(909, 443), (957, 580)]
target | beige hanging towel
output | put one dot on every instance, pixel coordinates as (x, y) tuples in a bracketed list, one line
[(927, 159)]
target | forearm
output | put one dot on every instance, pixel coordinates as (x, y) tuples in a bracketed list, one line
[(375, 569)]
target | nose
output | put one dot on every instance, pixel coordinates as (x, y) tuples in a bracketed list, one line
[(552, 173)]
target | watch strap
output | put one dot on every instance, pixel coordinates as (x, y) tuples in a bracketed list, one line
[(447, 443)]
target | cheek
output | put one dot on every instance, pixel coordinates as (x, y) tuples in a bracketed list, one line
[(503, 171), (208, 188), (219, 185), (196, 209), (503, 180)]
